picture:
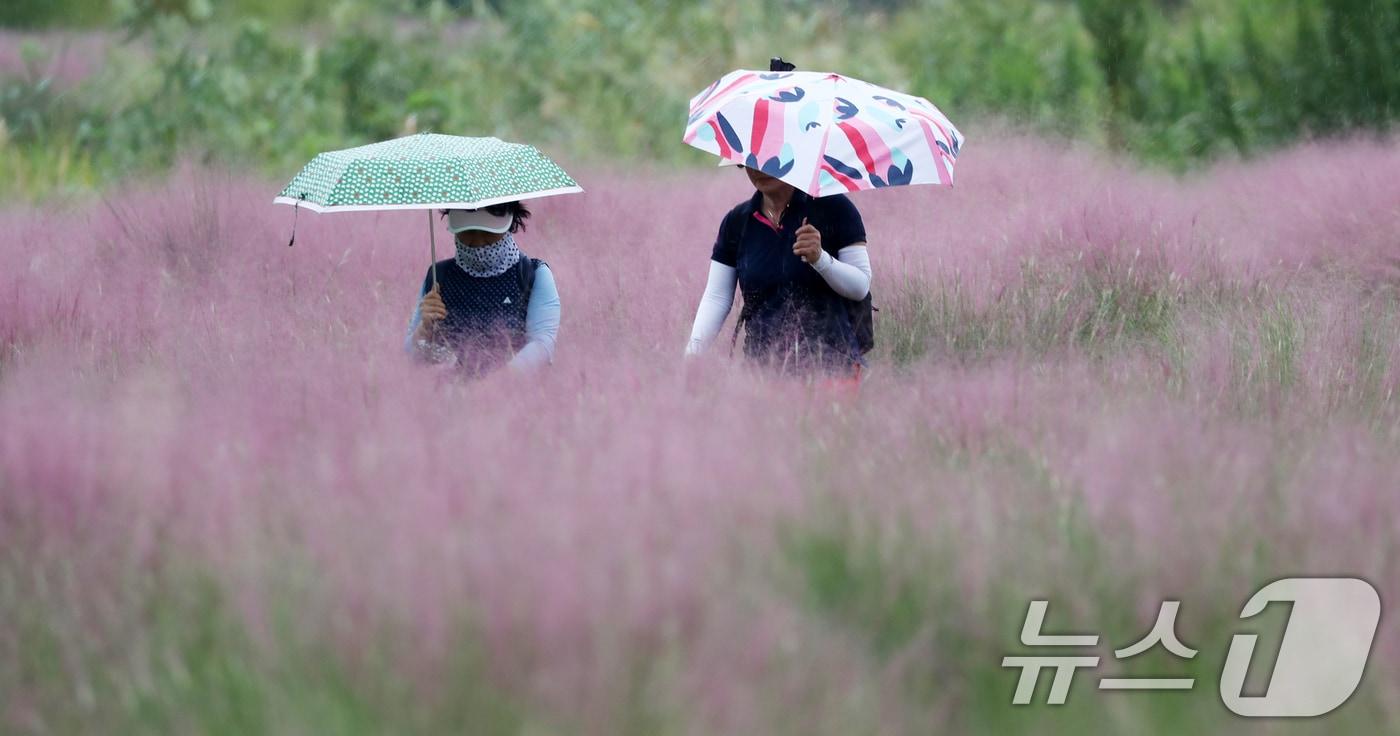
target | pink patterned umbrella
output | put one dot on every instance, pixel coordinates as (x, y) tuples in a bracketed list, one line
[(824, 133)]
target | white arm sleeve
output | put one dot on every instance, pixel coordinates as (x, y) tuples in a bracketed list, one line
[(714, 307), (541, 323), (849, 273)]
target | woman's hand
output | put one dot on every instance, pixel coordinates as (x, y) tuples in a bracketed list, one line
[(431, 311), (809, 243)]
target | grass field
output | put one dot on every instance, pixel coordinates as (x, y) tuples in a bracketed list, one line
[(229, 503)]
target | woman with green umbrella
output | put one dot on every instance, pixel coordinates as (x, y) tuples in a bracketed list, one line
[(491, 305)]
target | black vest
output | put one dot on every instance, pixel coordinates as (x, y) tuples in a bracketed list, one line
[(485, 322)]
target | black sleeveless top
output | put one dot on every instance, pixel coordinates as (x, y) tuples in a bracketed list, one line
[(485, 323)]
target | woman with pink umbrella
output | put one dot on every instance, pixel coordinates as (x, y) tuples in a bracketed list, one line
[(797, 248)]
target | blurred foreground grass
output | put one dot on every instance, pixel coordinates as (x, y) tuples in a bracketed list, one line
[(913, 567)]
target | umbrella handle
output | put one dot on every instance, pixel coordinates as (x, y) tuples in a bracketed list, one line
[(296, 209), (432, 250), (432, 246)]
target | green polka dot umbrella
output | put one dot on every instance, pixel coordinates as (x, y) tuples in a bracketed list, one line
[(427, 171)]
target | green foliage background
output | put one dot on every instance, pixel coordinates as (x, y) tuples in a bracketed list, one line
[(273, 82)]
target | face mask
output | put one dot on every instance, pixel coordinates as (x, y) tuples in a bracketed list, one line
[(488, 260)]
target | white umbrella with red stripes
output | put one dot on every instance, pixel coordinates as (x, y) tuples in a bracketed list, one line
[(824, 133)]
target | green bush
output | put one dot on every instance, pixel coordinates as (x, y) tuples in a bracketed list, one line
[(1026, 59), (273, 82), (46, 13)]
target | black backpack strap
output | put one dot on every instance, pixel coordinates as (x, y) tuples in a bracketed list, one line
[(861, 311)]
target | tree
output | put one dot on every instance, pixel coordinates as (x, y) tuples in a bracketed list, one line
[(1119, 30)]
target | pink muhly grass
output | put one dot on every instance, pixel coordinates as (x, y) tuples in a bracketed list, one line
[(179, 390)]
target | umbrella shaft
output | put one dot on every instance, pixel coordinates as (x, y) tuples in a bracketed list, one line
[(432, 246)]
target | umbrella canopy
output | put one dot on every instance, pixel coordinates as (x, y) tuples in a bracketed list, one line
[(824, 133), (426, 171)]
